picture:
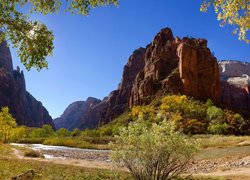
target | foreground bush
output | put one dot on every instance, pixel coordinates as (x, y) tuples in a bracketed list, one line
[(155, 152)]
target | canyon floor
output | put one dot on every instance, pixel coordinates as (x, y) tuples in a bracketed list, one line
[(210, 163)]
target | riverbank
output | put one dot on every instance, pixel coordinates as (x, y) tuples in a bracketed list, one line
[(209, 163), (13, 162), (62, 152), (222, 157)]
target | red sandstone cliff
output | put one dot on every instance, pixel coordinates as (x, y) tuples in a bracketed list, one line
[(177, 66)]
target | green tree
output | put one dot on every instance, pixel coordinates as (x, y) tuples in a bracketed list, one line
[(7, 124), (45, 131), (33, 39), (19, 133), (233, 12), (62, 132), (76, 132), (217, 124), (153, 153), (48, 130)]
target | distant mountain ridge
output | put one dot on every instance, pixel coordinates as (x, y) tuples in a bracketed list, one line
[(23, 106), (176, 66), (79, 114)]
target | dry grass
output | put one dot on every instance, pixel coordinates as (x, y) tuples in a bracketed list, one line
[(5, 151), (10, 167), (220, 141)]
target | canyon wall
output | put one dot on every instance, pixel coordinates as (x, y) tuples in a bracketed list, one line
[(23, 106)]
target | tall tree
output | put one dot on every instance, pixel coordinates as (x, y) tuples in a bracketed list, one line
[(7, 124), (233, 12), (33, 39)]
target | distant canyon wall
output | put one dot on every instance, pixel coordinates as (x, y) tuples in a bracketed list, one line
[(235, 86)]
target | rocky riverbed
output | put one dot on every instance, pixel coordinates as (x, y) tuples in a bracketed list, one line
[(101, 158), (223, 164), (76, 154), (61, 152)]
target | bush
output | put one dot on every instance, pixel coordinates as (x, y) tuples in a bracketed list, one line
[(218, 128), (32, 153), (214, 113), (76, 132), (45, 131), (62, 132), (191, 126), (157, 152), (237, 124), (30, 140), (69, 142)]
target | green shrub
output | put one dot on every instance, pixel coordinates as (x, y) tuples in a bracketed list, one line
[(158, 152), (30, 140), (31, 153), (70, 142), (76, 132), (218, 128), (45, 131), (62, 132), (214, 112)]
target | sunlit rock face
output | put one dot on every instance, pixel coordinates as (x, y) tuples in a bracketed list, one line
[(235, 85), (23, 106), (176, 65)]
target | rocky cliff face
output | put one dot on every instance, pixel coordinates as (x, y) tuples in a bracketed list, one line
[(177, 66), (23, 106), (199, 71), (235, 86), (80, 114), (117, 101)]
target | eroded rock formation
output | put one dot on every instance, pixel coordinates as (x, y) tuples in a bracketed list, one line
[(177, 66), (23, 106)]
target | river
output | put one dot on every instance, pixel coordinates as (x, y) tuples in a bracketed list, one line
[(62, 152)]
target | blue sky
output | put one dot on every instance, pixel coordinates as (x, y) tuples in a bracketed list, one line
[(90, 52)]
